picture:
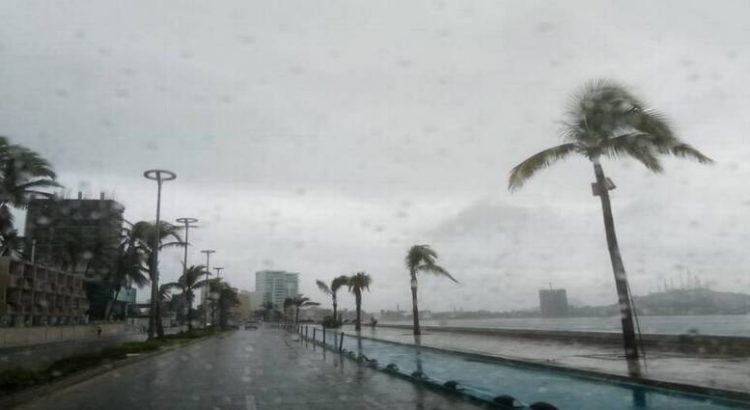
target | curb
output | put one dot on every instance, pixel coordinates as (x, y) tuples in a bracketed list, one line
[(27, 395)]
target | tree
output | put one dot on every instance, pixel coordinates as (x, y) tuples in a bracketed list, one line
[(228, 297), (297, 303), (331, 291), (607, 120), (129, 268), (23, 174), (422, 258), (268, 307), (357, 283), (191, 279), (145, 235)]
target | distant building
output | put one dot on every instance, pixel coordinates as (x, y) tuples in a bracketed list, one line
[(275, 286), (33, 295), (75, 235), (553, 302), (248, 303)]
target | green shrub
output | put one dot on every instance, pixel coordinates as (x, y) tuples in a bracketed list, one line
[(18, 378), (330, 322), (76, 363)]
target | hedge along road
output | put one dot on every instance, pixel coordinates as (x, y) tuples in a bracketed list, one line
[(261, 369)]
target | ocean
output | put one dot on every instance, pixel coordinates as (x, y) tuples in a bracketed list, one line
[(718, 325)]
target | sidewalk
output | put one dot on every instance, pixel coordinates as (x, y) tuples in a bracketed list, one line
[(265, 369), (728, 373)]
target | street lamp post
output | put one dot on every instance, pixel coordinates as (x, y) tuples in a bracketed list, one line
[(158, 175), (187, 223), (208, 253)]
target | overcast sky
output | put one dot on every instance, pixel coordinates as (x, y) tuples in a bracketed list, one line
[(326, 137)]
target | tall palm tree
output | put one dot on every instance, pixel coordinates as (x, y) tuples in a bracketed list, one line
[(194, 277), (422, 258), (144, 234), (357, 283), (297, 303), (607, 120), (331, 291)]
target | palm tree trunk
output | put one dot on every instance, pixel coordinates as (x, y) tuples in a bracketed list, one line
[(334, 309), (358, 300), (190, 314), (159, 324), (110, 304), (415, 308), (621, 280), (296, 316)]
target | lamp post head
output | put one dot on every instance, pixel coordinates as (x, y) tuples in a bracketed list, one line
[(159, 175), (187, 221)]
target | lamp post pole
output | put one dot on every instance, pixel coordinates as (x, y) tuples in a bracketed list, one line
[(158, 175), (187, 223), (208, 253)]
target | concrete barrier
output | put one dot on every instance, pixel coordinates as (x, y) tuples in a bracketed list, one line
[(27, 336), (687, 343)]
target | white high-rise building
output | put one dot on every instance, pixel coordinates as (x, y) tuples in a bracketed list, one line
[(275, 286)]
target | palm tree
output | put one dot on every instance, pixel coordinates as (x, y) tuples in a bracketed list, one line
[(421, 258), (144, 233), (357, 283), (129, 269), (23, 173), (297, 303), (187, 284), (228, 297), (268, 307), (607, 120), (331, 291)]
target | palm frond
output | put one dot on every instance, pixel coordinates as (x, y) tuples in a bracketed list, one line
[(323, 287), (637, 145), (683, 150), (338, 282), (436, 270), (526, 169)]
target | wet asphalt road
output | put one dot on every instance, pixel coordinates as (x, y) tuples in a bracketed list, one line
[(261, 369)]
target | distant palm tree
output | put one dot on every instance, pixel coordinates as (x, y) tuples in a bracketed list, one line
[(421, 258), (606, 119), (268, 307), (297, 303), (331, 291), (144, 233), (357, 283), (228, 297), (194, 277)]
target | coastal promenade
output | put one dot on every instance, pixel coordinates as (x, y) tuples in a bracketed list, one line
[(706, 370), (265, 369)]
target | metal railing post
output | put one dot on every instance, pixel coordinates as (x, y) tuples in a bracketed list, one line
[(324, 336), (315, 331), (341, 342)]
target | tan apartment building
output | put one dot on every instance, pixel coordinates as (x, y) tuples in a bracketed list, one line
[(33, 295)]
